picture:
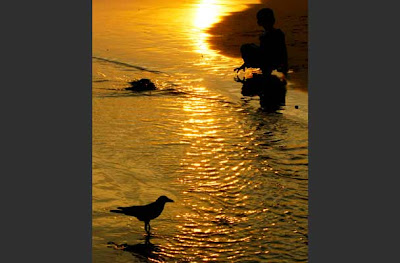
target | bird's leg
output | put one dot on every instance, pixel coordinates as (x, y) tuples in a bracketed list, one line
[(147, 227), (147, 242)]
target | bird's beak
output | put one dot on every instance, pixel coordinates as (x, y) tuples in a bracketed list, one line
[(170, 200)]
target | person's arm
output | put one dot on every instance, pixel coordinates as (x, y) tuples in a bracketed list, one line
[(242, 67)]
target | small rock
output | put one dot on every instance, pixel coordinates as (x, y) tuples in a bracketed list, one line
[(141, 85)]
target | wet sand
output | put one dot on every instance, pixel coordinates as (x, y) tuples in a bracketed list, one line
[(241, 27)]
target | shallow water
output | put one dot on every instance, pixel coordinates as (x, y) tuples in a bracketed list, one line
[(239, 176)]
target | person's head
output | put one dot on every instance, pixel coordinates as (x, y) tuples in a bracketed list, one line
[(265, 18)]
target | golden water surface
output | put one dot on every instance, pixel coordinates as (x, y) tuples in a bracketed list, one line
[(238, 176)]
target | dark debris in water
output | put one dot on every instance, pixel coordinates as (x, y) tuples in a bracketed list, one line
[(141, 85), (223, 221)]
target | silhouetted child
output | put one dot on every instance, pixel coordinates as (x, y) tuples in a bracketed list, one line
[(271, 54)]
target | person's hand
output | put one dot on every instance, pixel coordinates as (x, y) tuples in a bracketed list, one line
[(238, 69), (238, 79)]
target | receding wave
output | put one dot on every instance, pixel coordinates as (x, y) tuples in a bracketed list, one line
[(129, 65)]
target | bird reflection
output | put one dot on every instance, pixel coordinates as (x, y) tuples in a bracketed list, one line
[(271, 90), (146, 249)]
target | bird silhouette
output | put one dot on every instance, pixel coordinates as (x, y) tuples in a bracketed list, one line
[(145, 213)]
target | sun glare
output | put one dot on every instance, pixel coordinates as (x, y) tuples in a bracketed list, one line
[(208, 13)]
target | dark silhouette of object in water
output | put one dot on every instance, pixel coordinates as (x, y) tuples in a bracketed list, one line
[(271, 90), (147, 250), (271, 54), (145, 213), (141, 85)]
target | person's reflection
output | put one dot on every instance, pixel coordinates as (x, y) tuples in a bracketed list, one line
[(146, 249), (271, 90)]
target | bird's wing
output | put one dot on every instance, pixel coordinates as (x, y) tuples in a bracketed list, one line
[(154, 209), (132, 209), (142, 212)]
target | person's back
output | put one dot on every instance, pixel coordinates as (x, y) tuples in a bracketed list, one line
[(272, 44), (273, 50)]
